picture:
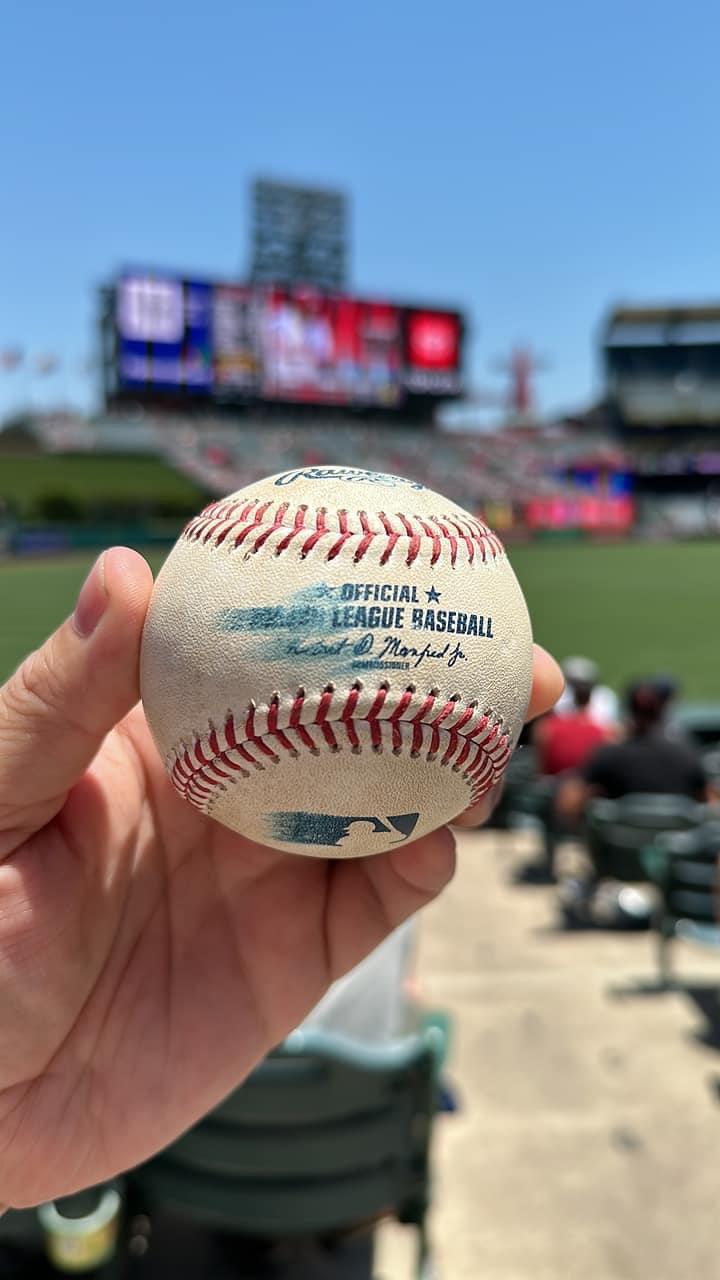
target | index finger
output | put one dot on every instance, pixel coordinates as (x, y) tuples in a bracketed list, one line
[(547, 684)]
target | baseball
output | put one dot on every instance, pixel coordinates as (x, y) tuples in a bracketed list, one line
[(335, 661)]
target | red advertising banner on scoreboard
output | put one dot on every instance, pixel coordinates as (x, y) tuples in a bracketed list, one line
[(432, 351), (329, 349)]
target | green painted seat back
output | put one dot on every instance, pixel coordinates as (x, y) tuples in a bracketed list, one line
[(684, 865), (617, 831), (711, 766), (700, 721), (321, 1135)]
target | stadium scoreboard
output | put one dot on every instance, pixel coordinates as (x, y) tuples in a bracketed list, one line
[(234, 342)]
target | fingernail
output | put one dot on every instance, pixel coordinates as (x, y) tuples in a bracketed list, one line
[(92, 600)]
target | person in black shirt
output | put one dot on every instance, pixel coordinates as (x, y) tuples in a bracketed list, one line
[(647, 760)]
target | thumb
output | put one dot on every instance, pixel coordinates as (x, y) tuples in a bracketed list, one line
[(59, 705)]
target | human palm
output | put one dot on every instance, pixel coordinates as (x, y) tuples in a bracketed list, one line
[(148, 956)]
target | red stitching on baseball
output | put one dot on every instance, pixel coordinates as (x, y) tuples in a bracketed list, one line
[(435, 539), (199, 770), (298, 703), (310, 542), (324, 706), (337, 547), (377, 705), (403, 703), (350, 703), (306, 739), (255, 523), (285, 542)]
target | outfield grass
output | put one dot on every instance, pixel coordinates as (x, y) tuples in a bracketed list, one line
[(100, 477), (35, 595), (636, 608)]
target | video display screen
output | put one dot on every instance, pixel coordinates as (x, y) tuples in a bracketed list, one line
[(432, 352), (164, 334), (296, 344), (329, 349), (235, 330)]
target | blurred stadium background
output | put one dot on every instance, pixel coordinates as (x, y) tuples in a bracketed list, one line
[(612, 517), (204, 386)]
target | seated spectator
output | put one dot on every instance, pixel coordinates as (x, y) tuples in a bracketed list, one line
[(566, 741), (668, 688), (647, 760), (603, 704)]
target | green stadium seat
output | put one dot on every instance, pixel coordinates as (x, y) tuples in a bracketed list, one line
[(520, 776), (684, 866), (699, 721), (527, 803), (324, 1135), (616, 831), (711, 765)]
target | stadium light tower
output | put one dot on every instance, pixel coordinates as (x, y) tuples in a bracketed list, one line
[(299, 235), (521, 367)]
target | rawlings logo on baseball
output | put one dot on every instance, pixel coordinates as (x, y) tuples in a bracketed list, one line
[(315, 644)]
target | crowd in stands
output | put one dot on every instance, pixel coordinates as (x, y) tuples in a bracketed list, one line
[(503, 469), (496, 473), (589, 747), (511, 466), (693, 459)]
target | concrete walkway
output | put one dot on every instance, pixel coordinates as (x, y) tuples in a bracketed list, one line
[(588, 1141)]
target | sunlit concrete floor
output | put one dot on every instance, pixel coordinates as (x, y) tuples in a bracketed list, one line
[(588, 1138)]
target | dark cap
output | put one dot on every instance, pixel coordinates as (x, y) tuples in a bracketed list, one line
[(645, 700), (667, 686)]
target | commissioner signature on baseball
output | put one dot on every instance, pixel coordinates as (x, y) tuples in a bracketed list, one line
[(366, 653)]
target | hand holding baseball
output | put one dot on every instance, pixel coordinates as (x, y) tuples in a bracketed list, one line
[(149, 957)]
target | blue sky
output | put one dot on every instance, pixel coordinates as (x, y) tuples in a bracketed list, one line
[(530, 162)]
